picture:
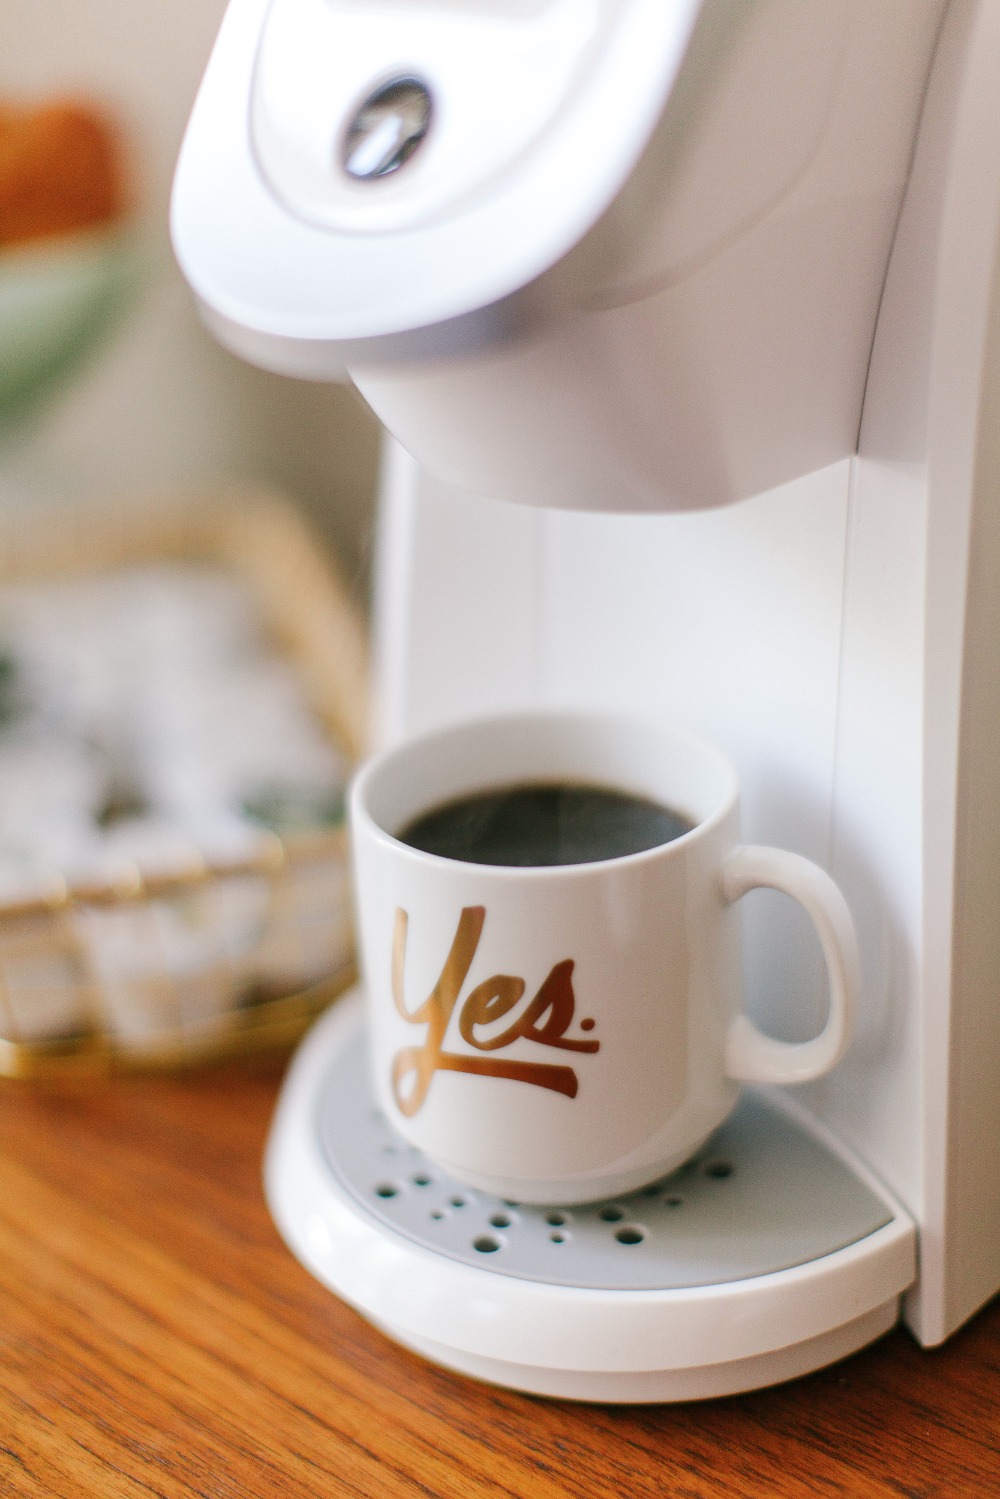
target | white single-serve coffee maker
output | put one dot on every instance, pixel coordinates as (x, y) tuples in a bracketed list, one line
[(682, 315)]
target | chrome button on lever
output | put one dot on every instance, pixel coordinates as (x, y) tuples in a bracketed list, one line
[(387, 129)]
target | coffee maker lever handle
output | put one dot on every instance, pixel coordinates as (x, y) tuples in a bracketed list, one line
[(752, 1056)]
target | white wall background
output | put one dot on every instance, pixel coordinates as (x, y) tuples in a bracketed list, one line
[(162, 405)]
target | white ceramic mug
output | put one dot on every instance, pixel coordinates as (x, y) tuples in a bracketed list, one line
[(570, 1032)]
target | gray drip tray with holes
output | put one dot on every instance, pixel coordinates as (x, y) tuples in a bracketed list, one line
[(762, 1196)]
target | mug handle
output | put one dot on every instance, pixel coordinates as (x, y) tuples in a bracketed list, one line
[(751, 1056)]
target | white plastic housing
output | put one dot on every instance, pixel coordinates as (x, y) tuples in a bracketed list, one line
[(653, 286), (839, 638), (682, 313), (307, 281)]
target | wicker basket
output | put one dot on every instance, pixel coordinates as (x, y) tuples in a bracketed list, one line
[(68, 1003)]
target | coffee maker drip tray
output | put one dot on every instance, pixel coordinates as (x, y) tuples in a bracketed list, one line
[(762, 1196), (771, 1254)]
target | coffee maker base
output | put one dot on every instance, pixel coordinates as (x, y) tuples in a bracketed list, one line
[(655, 1386), (771, 1254)]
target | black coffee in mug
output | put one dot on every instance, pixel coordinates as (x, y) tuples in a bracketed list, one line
[(536, 824)]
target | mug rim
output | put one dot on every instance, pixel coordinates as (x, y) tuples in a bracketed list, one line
[(384, 761)]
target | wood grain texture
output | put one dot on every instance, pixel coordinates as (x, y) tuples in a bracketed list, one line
[(157, 1339)]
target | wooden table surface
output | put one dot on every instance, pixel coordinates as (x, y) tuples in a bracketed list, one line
[(157, 1339)]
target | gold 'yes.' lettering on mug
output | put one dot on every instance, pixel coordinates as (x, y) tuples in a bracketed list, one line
[(545, 1020)]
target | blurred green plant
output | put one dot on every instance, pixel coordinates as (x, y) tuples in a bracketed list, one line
[(59, 302)]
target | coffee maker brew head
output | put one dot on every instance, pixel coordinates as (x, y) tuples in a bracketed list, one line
[(599, 254)]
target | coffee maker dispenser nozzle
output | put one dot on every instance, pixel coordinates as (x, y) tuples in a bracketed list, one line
[(622, 255)]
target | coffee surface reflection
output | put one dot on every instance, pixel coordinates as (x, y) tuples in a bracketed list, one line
[(538, 824)]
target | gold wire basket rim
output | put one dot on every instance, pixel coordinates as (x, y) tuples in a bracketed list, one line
[(272, 1025), (262, 535)]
